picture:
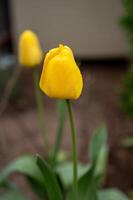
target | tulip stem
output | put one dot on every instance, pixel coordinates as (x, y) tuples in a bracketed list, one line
[(40, 107), (74, 149)]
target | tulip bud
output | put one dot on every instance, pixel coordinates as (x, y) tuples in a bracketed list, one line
[(61, 77), (30, 53)]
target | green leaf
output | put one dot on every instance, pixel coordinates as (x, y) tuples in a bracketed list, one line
[(12, 195), (28, 167), (87, 187), (98, 140), (38, 188), (65, 172), (25, 164), (99, 154), (101, 166), (111, 194), (51, 184)]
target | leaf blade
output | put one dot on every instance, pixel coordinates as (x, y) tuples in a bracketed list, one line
[(50, 180), (27, 166)]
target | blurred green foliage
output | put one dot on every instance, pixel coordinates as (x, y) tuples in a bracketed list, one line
[(56, 184), (127, 23), (126, 93)]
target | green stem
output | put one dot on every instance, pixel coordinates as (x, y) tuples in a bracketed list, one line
[(40, 107), (61, 105), (74, 149)]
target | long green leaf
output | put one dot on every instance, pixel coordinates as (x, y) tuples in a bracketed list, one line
[(51, 184), (99, 154), (28, 167), (87, 187), (98, 140), (101, 166)]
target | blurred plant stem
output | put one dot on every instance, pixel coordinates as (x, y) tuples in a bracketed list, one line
[(61, 109), (9, 87), (40, 107), (74, 149)]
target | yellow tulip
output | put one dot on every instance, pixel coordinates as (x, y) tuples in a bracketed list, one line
[(30, 53), (61, 77)]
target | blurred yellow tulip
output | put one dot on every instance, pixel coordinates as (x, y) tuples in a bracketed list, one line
[(30, 53), (61, 77)]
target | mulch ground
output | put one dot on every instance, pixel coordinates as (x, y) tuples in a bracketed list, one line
[(20, 132)]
